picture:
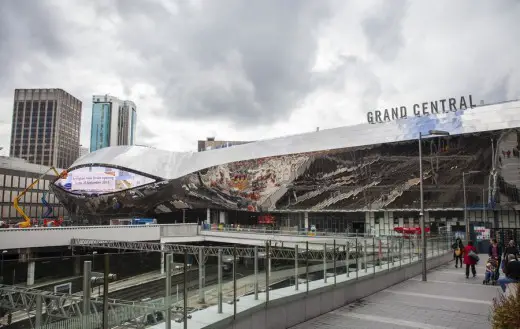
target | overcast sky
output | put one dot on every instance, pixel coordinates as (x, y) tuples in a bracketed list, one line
[(251, 69)]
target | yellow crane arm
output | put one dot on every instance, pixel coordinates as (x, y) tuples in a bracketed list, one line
[(27, 220)]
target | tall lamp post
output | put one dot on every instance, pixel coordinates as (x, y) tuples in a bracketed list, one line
[(466, 218), (421, 214)]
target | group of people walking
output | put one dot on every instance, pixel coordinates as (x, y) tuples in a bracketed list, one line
[(505, 260), (465, 254)]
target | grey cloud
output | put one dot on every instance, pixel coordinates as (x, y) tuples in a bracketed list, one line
[(27, 29), (245, 61), (383, 29), (353, 70), (499, 91)]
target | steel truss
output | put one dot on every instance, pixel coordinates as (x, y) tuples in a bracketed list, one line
[(208, 251), (46, 309)]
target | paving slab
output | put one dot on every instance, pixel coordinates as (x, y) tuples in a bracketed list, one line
[(446, 301)]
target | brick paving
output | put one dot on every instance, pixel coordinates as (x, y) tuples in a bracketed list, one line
[(446, 301)]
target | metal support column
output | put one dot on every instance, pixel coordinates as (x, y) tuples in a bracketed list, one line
[(162, 258), (168, 293), (87, 274), (296, 267), (219, 282), (256, 272), (201, 276), (38, 312)]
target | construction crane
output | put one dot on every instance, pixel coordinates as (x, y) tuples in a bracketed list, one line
[(27, 220)]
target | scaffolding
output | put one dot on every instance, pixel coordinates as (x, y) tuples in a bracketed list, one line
[(310, 251), (49, 310)]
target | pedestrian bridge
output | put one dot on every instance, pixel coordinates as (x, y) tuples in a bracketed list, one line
[(39, 237)]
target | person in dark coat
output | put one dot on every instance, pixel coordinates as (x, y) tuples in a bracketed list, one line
[(470, 262), (511, 249), (458, 251), (495, 251)]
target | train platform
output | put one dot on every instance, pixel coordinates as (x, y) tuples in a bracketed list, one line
[(446, 301), (97, 291)]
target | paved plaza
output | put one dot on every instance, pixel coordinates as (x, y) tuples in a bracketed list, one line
[(447, 301)]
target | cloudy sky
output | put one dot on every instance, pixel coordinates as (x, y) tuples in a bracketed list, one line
[(251, 69)]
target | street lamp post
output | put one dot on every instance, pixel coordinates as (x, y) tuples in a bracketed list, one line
[(466, 218), (421, 214)]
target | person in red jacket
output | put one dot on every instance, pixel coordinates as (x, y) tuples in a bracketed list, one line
[(470, 262)]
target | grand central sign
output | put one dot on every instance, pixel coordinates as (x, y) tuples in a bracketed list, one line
[(421, 109)]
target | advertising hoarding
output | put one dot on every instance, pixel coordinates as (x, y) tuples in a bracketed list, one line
[(100, 182)]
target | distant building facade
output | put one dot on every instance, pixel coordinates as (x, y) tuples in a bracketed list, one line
[(113, 122), (83, 151), (17, 174), (211, 144), (46, 127)]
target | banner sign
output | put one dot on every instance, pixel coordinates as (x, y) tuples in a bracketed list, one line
[(93, 182), (421, 109)]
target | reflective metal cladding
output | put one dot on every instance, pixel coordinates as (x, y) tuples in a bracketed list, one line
[(348, 168)]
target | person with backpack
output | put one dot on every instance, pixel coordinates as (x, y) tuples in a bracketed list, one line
[(511, 249), (470, 259), (495, 252), (458, 249), (511, 271)]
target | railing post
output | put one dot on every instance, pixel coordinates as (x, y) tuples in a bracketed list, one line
[(296, 274), (256, 272), (334, 260), (374, 255), (185, 292), (347, 259), (388, 241), (105, 291), (168, 293), (201, 276), (365, 254), (267, 270), (410, 249), (234, 282), (325, 262), (307, 266), (219, 281)]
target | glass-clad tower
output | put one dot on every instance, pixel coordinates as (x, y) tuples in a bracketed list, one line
[(113, 122)]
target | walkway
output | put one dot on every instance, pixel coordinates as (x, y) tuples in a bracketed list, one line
[(447, 301)]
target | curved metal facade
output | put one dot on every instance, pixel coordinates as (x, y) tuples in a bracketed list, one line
[(363, 167)]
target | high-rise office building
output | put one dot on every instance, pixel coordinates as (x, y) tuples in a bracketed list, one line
[(113, 122), (46, 127)]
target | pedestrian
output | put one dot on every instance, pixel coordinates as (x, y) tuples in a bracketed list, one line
[(458, 250), (511, 249), (469, 259), (512, 272), (495, 252)]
